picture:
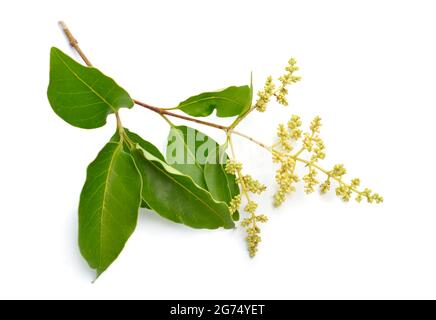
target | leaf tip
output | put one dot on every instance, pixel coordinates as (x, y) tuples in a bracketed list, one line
[(54, 50)]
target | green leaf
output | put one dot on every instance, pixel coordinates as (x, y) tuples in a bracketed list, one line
[(175, 196), (196, 155), (109, 205), (229, 102), (144, 144), (221, 185), (144, 205), (83, 96), (187, 152), (148, 146)]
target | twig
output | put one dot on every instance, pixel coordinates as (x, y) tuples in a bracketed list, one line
[(75, 44), (251, 139), (175, 115)]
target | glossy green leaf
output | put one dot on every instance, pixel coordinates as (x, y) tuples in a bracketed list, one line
[(175, 196), (187, 152), (144, 144), (229, 102), (83, 96), (109, 205), (196, 155), (221, 185)]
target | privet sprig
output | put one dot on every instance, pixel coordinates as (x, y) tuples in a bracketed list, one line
[(199, 182)]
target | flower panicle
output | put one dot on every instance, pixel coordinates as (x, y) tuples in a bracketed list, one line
[(232, 167), (235, 203), (252, 185), (251, 222), (279, 92), (311, 145)]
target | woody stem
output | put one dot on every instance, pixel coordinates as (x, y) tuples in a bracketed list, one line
[(163, 112)]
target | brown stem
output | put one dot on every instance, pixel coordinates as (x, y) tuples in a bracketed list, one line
[(175, 115), (74, 43), (251, 139)]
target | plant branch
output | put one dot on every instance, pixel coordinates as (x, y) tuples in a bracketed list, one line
[(329, 175), (263, 145), (242, 117), (161, 111), (175, 115), (119, 124), (238, 171), (229, 130), (74, 43)]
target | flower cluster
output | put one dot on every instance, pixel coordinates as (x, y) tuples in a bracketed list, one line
[(313, 145), (294, 125), (310, 181), (279, 92), (235, 203), (287, 79), (249, 185), (285, 177), (265, 96)]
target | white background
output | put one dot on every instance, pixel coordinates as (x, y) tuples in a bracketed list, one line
[(368, 70)]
